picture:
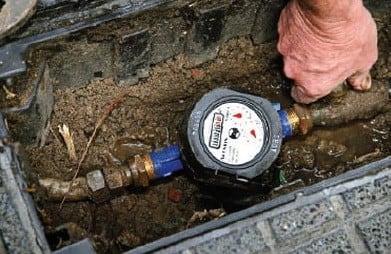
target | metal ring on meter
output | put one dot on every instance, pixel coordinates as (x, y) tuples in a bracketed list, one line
[(235, 133)]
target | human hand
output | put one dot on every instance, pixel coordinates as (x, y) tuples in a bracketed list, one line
[(323, 43)]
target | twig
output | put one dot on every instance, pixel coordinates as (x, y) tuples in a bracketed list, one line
[(9, 94), (54, 135), (43, 134), (100, 121), (369, 156)]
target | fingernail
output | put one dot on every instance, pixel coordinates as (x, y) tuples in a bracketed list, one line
[(367, 82)]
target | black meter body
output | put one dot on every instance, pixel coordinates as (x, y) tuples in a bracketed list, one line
[(231, 135)]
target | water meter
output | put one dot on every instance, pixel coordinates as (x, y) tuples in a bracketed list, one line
[(231, 135)]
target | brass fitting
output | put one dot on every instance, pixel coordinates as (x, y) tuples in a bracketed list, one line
[(293, 120), (99, 184), (305, 118), (117, 177), (300, 119), (139, 172), (148, 165)]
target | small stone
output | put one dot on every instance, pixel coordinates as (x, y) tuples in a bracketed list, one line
[(197, 74), (174, 195)]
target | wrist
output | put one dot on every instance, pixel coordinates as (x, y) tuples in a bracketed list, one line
[(331, 10)]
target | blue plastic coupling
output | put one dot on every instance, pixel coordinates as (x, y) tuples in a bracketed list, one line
[(287, 129), (166, 161)]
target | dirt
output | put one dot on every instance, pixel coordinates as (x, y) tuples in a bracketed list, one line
[(161, 102)]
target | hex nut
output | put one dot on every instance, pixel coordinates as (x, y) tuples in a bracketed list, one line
[(113, 178), (95, 180)]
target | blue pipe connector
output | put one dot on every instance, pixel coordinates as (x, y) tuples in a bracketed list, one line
[(285, 124), (166, 161)]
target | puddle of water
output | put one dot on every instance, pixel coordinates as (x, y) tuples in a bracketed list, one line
[(327, 152)]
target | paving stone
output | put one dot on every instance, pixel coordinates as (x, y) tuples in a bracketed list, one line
[(265, 25), (336, 242), (245, 240), (206, 34), (134, 56), (85, 62), (302, 219), (168, 38), (366, 194), (13, 234), (376, 232), (240, 19)]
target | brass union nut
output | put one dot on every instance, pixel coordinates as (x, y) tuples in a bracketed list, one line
[(305, 116), (139, 166)]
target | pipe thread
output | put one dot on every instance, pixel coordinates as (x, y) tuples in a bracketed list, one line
[(294, 120)]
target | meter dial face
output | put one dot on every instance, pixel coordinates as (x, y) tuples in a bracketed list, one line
[(233, 133)]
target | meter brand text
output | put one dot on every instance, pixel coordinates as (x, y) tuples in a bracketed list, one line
[(217, 128)]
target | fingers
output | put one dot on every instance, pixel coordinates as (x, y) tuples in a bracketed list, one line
[(360, 81)]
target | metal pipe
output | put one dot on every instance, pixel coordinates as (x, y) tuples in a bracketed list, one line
[(353, 105)]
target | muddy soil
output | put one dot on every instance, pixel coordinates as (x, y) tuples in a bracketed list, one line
[(158, 104)]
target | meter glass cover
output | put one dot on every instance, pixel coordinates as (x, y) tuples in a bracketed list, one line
[(233, 133)]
